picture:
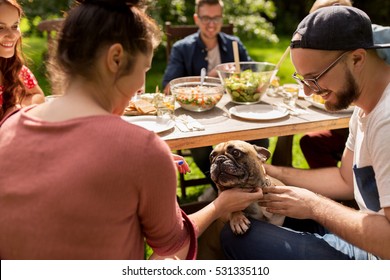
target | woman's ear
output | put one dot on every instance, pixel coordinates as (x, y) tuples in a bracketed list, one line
[(115, 56)]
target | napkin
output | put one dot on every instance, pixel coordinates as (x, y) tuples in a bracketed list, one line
[(187, 123), (294, 111)]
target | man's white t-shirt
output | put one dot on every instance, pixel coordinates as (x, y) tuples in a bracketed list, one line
[(369, 140)]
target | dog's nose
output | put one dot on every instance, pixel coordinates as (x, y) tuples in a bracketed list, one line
[(221, 158)]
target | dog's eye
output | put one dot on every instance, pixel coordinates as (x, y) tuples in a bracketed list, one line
[(212, 156), (236, 153)]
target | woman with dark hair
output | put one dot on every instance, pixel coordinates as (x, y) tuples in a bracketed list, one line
[(18, 86), (99, 187)]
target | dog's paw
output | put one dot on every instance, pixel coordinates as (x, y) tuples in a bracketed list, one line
[(239, 223)]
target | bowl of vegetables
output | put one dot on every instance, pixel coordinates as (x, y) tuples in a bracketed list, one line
[(246, 82), (194, 95)]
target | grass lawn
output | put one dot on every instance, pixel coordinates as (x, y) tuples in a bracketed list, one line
[(35, 49)]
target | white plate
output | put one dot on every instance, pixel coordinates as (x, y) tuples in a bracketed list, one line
[(258, 112), (301, 94), (150, 123), (322, 106)]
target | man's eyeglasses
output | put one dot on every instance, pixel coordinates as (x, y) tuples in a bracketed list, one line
[(207, 20), (313, 83)]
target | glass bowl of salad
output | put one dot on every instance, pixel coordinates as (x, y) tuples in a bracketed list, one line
[(247, 84), (194, 96)]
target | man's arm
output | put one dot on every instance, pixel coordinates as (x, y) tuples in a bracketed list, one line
[(368, 231), (332, 182), (371, 232)]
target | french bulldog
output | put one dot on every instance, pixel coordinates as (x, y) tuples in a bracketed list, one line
[(238, 164)]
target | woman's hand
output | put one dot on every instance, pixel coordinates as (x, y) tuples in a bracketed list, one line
[(34, 95), (289, 201), (236, 199), (181, 164)]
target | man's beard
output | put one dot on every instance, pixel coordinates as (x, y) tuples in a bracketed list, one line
[(345, 97)]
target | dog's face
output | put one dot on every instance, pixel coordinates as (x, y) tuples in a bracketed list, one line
[(238, 164)]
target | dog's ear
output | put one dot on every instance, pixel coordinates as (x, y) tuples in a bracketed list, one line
[(262, 153), (212, 155)]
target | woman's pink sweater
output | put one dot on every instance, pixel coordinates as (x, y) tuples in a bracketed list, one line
[(88, 188)]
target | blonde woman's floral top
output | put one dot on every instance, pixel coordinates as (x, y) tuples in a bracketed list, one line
[(28, 79)]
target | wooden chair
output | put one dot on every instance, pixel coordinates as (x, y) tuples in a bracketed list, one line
[(51, 26), (175, 33)]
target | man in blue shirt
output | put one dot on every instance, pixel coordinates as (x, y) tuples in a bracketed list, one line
[(205, 49)]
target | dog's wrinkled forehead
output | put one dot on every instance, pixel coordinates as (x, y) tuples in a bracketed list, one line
[(227, 147), (236, 147)]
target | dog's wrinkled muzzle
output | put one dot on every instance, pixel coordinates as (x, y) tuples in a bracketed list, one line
[(227, 172)]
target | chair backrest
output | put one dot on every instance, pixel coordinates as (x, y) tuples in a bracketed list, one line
[(177, 32), (50, 26)]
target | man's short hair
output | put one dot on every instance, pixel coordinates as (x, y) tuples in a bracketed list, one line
[(200, 3)]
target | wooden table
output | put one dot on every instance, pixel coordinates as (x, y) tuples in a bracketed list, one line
[(221, 127)]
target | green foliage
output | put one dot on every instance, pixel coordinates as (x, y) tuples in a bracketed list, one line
[(175, 11), (33, 49), (38, 10), (251, 18), (25, 26), (44, 8)]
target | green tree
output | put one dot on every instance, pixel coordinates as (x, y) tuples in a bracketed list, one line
[(38, 10), (250, 17), (44, 8)]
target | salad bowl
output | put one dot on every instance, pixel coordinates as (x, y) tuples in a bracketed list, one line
[(194, 95), (246, 82)]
